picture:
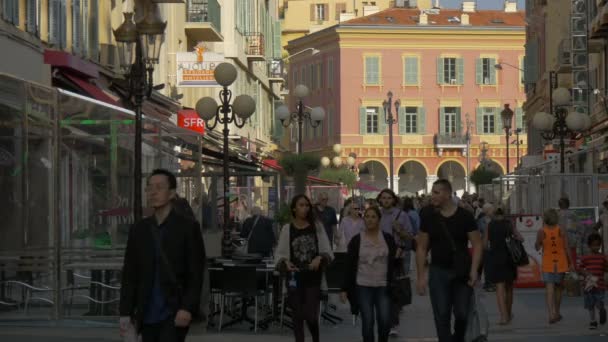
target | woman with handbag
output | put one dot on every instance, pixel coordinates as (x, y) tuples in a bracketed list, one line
[(369, 273), (501, 270), (302, 253)]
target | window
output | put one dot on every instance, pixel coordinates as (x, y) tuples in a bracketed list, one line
[(487, 68), (33, 16), (450, 119), (372, 120), (320, 12), (410, 70), (488, 120), (10, 11), (330, 73), (449, 71), (411, 119), (372, 70), (57, 23)]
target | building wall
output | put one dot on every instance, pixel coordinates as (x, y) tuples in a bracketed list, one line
[(350, 92)]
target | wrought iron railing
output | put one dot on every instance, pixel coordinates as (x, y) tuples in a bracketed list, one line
[(203, 11), (450, 139), (254, 43)]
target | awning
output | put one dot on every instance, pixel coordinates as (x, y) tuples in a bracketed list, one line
[(89, 88), (274, 164)]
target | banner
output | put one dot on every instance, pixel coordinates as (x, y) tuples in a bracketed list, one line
[(195, 69), (530, 275)]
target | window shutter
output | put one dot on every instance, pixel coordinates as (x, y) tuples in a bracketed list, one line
[(421, 120), (382, 126), (312, 12), (531, 61), (479, 120), (339, 8), (94, 30), (401, 120), (326, 12), (54, 21), (440, 78), (32, 16), (492, 71), (442, 120), (411, 70), (63, 24), (497, 121), (12, 11), (362, 121), (76, 23), (460, 70), (84, 26), (277, 39), (458, 121), (519, 117), (479, 71)]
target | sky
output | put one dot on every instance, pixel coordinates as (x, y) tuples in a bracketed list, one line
[(481, 4)]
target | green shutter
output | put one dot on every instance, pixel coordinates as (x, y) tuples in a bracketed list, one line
[(382, 129), (479, 120), (411, 70), (63, 25), (442, 120), (362, 120), (497, 121), (479, 71), (458, 121), (531, 61), (277, 39), (492, 71), (421, 120), (440, 79), (401, 120), (460, 70), (519, 118), (94, 31), (76, 27)]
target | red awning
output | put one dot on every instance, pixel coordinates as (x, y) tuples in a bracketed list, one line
[(274, 164), (90, 89)]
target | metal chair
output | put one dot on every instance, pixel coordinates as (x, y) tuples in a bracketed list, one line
[(239, 282)]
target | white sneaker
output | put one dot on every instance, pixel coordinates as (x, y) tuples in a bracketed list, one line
[(393, 333)]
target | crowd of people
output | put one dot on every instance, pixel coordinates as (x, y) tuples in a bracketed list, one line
[(467, 240)]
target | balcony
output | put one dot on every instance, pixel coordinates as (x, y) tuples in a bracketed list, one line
[(254, 46), (598, 27), (276, 71), (451, 141), (203, 21)]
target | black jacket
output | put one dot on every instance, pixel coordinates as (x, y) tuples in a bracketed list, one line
[(262, 238), (352, 262), (183, 246)]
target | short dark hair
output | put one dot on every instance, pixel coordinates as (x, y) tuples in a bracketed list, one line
[(374, 209), (563, 203), (170, 177), (593, 238), (390, 192), (445, 184), (311, 218), (408, 204)]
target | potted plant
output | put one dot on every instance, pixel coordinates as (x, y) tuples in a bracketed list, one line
[(298, 166)]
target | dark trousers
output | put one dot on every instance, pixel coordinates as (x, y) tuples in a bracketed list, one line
[(449, 295), (165, 331), (374, 301), (304, 304)]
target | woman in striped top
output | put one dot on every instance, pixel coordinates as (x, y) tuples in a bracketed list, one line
[(594, 266)]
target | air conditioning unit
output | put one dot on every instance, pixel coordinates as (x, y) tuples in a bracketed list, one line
[(453, 81), (107, 55), (565, 58)]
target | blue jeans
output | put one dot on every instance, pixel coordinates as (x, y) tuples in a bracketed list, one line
[(449, 295), (374, 300)]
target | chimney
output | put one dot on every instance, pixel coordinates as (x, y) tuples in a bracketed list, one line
[(510, 7), (464, 19), (468, 6), (437, 4), (424, 19)]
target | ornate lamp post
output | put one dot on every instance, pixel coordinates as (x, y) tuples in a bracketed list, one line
[(390, 121), (560, 124), (237, 113), (351, 160), (507, 118), (314, 117), (139, 50)]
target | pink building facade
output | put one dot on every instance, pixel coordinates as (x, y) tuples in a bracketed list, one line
[(452, 73)]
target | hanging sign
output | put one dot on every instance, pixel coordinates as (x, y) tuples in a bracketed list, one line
[(195, 69), (189, 119)]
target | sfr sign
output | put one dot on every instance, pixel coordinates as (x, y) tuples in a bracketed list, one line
[(189, 119)]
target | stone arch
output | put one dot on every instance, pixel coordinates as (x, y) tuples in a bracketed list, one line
[(444, 161), (412, 178), (373, 174), (423, 164), (494, 165), (455, 172)]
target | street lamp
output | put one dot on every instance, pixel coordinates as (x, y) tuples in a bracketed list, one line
[(507, 117), (241, 109), (139, 49), (337, 162), (314, 117), (517, 142), (560, 123), (390, 121)]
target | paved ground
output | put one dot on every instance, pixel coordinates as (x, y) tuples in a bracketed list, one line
[(529, 325)]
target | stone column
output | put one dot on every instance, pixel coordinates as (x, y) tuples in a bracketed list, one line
[(430, 179), (395, 183)]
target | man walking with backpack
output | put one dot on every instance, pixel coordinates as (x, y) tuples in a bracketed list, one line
[(445, 230), (163, 268)]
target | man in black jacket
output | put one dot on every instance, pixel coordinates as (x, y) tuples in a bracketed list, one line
[(163, 268), (259, 232)]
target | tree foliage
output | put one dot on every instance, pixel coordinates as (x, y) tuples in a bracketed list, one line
[(483, 175), (298, 166), (339, 175)]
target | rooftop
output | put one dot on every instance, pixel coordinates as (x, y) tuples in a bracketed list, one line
[(443, 17)]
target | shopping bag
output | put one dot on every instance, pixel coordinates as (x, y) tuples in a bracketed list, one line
[(478, 324), (131, 334)]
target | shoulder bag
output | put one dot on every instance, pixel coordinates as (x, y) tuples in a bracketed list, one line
[(243, 248), (516, 250), (461, 259)]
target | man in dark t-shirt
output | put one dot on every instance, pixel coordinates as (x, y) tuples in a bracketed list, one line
[(327, 215), (442, 218)]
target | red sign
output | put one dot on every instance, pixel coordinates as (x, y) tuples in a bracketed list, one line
[(189, 119)]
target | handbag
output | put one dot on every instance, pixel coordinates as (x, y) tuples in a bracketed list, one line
[(461, 259), (478, 325), (401, 289), (516, 250)]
